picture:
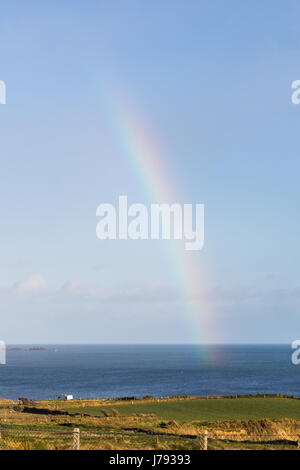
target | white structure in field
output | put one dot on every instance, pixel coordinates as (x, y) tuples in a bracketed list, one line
[(65, 397)]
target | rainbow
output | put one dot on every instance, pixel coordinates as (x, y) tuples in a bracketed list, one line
[(150, 166)]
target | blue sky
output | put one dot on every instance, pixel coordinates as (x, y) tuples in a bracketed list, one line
[(213, 80)]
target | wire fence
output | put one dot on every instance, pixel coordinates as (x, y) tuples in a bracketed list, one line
[(245, 441), (20, 438), (28, 439)]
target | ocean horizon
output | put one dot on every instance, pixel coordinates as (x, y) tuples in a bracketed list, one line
[(45, 371)]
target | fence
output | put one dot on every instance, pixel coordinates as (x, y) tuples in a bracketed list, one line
[(255, 441), (20, 438)]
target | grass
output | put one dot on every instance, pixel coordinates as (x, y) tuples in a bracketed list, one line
[(204, 410), (158, 424)]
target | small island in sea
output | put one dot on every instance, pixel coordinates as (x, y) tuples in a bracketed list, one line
[(27, 349)]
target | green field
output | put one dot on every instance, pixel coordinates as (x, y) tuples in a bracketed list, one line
[(149, 423), (206, 410)]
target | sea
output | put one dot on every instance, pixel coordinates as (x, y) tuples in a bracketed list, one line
[(96, 371)]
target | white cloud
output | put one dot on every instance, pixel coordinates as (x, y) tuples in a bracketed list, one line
[(31, 285), (75, 288)]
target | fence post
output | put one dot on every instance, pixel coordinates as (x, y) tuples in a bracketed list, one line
[(203, 441), (76, 439)]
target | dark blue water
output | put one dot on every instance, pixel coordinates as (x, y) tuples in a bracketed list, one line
[(138, 370)]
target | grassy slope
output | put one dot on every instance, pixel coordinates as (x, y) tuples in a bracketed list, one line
[(236, 423), (206, 410)]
